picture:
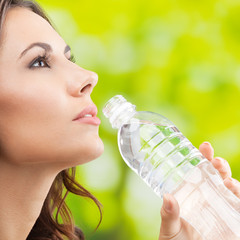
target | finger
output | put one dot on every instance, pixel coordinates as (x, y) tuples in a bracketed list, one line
[(233, 185), (207, 150), (171, 224), (222, 166)]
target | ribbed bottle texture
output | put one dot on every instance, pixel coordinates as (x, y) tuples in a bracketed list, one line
[(157, 151), (118, 110)]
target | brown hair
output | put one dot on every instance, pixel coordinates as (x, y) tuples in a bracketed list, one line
[(55, 209)]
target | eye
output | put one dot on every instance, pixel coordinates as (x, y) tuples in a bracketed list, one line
[(40, 62)]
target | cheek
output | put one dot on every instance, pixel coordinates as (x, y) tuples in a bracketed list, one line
[(30, 108), (29, 118), (38, 128)]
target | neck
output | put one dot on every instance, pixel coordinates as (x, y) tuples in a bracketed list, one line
[(23, 191)]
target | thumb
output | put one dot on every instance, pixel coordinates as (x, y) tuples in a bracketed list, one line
[(171, 223)]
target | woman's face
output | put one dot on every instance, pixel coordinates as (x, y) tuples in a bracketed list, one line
[(41, 93)]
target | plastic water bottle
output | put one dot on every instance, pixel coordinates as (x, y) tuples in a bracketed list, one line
[(157, 151)]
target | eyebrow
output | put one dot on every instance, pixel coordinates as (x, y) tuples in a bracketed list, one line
[(45, 46)]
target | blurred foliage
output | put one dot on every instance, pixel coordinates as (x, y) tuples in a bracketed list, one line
[(177, 58)]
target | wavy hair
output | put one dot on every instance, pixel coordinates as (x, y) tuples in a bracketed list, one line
[(55, 221)]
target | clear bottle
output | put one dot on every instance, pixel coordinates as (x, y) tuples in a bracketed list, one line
[(157, 151)]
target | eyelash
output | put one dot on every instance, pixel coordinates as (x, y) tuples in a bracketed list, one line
[(46, 60), (72, 58)]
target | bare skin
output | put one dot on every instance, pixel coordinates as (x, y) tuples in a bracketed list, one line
[(38, 136), (175, 228), (39, 100)]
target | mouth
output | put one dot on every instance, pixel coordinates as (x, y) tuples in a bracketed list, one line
[(88, 116)]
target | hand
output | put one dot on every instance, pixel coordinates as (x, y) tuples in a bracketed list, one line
[(175, 228)]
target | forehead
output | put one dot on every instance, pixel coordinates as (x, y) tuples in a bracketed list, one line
[(22, 27)]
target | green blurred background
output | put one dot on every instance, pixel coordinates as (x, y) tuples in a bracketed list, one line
[(177, 58)]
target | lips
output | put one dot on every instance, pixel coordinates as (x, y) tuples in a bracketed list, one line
[(88, 116)]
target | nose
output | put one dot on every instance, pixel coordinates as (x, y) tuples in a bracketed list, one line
[(82, 82)]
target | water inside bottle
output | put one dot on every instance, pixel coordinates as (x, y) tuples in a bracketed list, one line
[(160, 154)]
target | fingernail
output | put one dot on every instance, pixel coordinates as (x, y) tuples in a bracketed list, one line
[(219, 159), (207, 143), (167, 205)]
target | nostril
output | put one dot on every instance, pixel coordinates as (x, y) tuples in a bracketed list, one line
[(87, 88)]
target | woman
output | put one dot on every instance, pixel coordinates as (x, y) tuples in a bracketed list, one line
[(48, 125)]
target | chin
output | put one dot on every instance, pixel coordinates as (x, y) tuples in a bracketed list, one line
[(95, 150), (88, 153)]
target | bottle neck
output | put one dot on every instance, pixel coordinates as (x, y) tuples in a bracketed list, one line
[(119, 111)]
